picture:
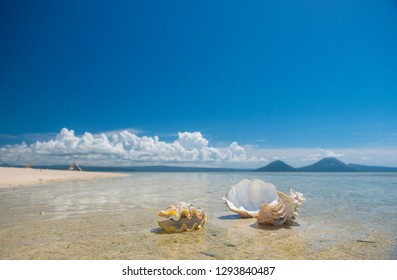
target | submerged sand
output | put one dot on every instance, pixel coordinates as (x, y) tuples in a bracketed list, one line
[(127, 236), (116, 218), (12, 177)]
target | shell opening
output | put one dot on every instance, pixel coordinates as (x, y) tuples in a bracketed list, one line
[(177, 226), (247, 196)]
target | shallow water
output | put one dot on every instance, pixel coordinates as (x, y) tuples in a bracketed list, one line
[(345, 216)]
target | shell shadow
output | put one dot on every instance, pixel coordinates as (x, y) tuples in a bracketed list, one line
[(229, 217), (272, 227), (158, 230)]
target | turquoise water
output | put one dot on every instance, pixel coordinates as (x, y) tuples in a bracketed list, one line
[(353, 211)]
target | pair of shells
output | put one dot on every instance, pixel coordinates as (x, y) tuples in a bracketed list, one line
[(249, 198), (261, 200)]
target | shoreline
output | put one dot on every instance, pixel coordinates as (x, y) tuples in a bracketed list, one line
[(18, 177)]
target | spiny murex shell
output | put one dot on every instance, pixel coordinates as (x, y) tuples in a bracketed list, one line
[(182, 216), (261, 200)]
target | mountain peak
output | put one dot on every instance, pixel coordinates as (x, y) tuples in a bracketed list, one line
[(330, 164), (276, 166), (330, 159)]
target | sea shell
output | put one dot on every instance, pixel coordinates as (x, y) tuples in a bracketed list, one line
[(261, 200), (182, 216)]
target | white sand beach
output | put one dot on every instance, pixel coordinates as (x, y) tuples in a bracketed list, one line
[(12, 177)]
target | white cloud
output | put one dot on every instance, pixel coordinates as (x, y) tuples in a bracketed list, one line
[(122, 148), (319, 154), (192, 141), (329, 153), (311, 157)]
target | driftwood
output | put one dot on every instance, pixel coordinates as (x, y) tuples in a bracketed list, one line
[(74, 166)]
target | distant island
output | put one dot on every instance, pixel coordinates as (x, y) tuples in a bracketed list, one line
[(324, 165), (276, 166)]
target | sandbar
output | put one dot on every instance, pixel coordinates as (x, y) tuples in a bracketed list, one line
[(13, 176)]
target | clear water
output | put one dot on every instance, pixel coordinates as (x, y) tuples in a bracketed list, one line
[(346, 215)]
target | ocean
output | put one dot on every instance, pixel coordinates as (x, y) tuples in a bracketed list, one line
[(345, 216)]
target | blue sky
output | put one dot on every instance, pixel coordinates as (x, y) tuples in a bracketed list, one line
[(277, 77)]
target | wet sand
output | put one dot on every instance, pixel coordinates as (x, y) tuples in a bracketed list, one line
[(134, 236), (12, 177), (115, 218)]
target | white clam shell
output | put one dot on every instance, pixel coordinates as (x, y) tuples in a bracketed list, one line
[(261, 200), (247, 197)]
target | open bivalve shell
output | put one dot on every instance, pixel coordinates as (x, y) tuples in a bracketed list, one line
[(261, 200), (182, 216)]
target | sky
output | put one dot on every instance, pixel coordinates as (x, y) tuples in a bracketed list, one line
[(198, 83)]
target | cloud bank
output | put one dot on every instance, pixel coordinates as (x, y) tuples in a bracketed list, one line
[(123, 148)]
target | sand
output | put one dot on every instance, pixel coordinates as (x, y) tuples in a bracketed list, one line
[(116, 218), (13, 177), (134, 236)]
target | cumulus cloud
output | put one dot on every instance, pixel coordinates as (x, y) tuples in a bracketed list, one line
[(122, 148)]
